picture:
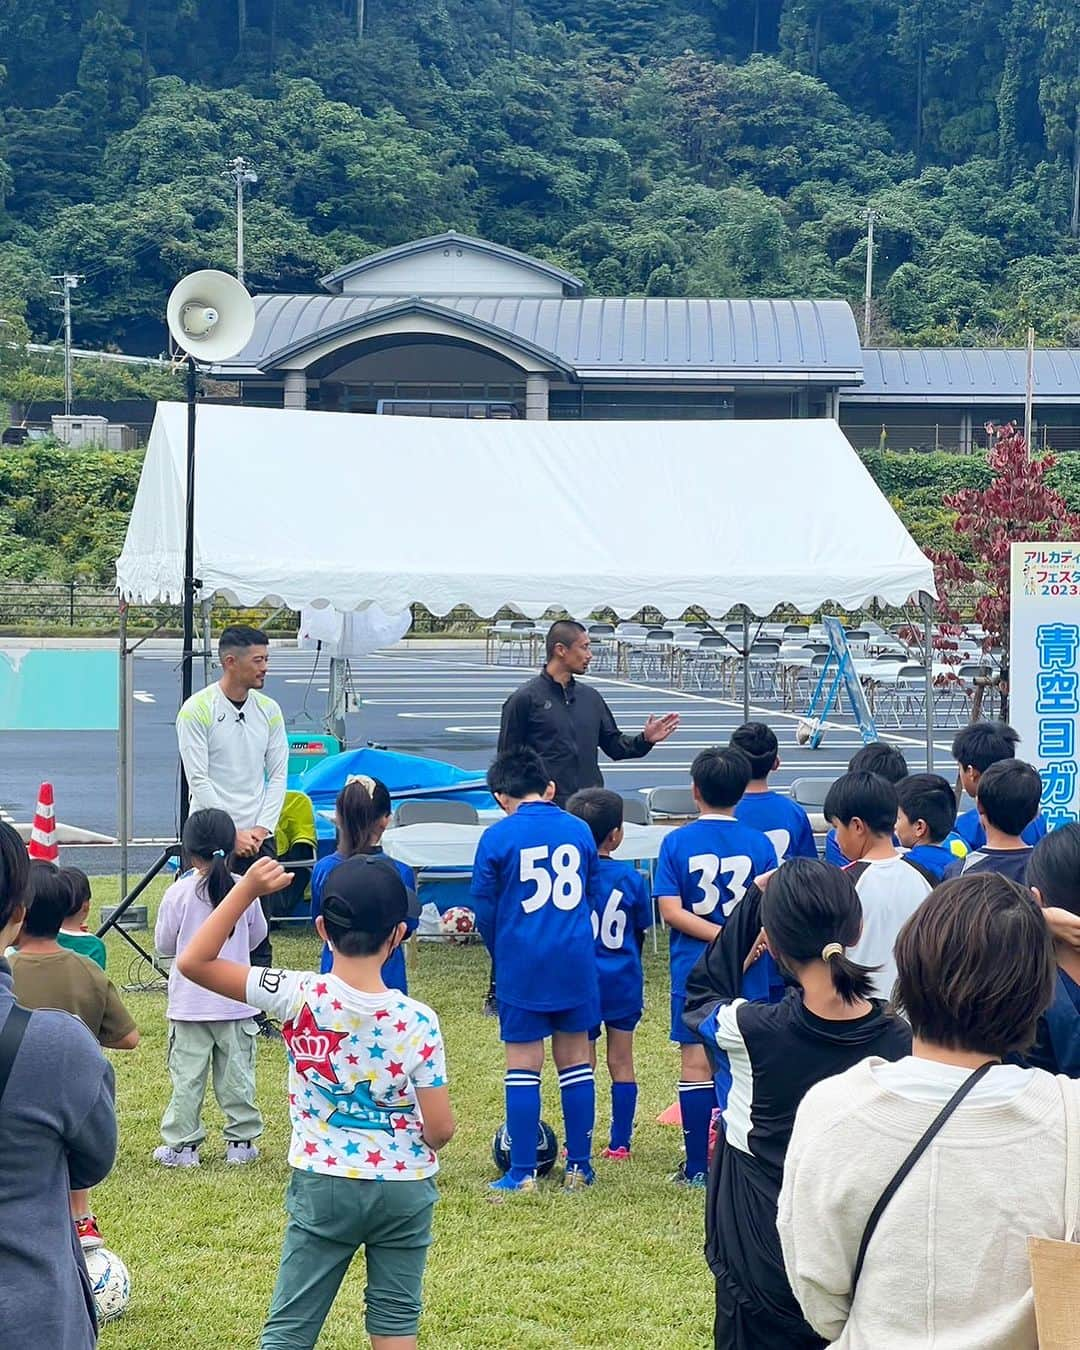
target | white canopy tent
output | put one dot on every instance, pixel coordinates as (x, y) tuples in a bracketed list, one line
[(306, 508)]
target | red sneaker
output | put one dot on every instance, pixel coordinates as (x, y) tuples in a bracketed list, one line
[(616, 1154), (88, 1233)]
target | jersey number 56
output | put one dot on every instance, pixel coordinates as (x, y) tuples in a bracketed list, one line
[(558, 881)]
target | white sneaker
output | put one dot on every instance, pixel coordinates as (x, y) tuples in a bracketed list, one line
[(167, 1156), (240, 1151)]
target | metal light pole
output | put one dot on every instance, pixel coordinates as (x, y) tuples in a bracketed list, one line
[(68, 282), (868, 288), (241, 172)]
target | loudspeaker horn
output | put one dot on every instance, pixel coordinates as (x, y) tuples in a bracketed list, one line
[(210, 315)]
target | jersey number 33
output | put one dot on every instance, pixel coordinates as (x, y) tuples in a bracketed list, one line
[(734, 874)]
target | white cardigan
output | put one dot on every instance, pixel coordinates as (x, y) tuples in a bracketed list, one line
[(947, 1267)]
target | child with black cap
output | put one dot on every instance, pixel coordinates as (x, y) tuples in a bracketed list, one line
[(367, 1097)]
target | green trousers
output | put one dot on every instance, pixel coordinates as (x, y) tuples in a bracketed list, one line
[(330, 1218), (196, 1049)]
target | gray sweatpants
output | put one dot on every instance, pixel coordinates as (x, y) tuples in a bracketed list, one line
[(226, 1048)]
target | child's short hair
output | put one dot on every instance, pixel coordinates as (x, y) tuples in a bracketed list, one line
[(79, 884), (976, 965), (759, 744), (1054, 868), (881, 758), (600, 809), (517, 774), (720, 776), (14, 873), (928, 797), (981, 744), (50, 900), (866, 796), (1009, 793)]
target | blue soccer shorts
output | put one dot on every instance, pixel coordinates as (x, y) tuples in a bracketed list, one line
[(627, 1023), (680, 1032), (519, 1026)]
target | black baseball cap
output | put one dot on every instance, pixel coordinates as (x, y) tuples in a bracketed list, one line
[(365, 894)]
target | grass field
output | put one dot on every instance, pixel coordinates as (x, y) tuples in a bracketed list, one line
[(618, 1266)]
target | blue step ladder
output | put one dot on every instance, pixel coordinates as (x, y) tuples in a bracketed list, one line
[(838, 671)]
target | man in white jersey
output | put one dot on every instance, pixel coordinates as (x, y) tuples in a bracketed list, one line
[(235, 751)]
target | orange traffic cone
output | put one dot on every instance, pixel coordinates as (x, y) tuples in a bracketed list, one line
[(43, 833), (672, 1116)]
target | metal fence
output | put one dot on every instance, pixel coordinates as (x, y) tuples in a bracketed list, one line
[(73, 605), (901, 437)]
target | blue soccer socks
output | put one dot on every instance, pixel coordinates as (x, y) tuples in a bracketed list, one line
[(522, 1121), (577, 1086), (696, 1102), (623, 1106)]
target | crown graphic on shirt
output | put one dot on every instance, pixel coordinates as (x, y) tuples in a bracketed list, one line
[(315, 1045)]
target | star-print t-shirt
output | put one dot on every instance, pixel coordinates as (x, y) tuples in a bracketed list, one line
[(355, 1062)]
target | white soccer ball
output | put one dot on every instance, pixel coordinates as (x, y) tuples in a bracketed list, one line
[(110, 1283), (457, 924)]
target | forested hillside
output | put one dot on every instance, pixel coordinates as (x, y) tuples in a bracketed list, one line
[(657, 147)]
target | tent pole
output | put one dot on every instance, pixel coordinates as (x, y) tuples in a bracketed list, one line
[(208, 663), (188, 653), (745, 664), (124, 751), (928, 659)]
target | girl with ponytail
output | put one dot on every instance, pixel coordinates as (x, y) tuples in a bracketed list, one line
[(362, 813), (808, 916), (207, 1031)]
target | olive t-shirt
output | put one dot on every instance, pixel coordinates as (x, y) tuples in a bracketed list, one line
[(73, 984)]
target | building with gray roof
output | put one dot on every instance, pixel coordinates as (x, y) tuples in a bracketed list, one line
[(457, 326)]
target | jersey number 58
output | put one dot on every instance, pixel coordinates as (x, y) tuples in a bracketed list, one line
[(561, 884)]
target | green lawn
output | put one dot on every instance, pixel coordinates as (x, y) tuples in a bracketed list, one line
[(618, 1266)]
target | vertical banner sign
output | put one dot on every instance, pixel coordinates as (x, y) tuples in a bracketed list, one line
[(1044, 677)]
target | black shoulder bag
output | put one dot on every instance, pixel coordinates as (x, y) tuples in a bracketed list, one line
[(10, 1040), (910, 1161)]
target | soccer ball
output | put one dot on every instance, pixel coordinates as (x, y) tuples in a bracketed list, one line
[(109, 1282), (547, 1149), (458, 924)]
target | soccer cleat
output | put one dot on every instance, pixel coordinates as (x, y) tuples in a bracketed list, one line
[(621, 1154), (167, 1156), (694, 1183), (506, 1185), (89, 1234), (578, 1178), (240, 1151)]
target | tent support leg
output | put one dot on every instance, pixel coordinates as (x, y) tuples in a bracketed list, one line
[(123, 748), (928, 663), (745, 664), (189, 569)]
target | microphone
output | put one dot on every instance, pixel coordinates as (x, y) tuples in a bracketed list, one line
[(239, 716)]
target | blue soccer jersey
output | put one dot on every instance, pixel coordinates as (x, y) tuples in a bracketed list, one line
[(708, 864), (934, 858), (970, 829), (393, 971), (531, 882), (621, 915), (782, 820)]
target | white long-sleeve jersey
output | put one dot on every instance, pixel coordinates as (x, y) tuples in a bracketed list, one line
[(235, 759)]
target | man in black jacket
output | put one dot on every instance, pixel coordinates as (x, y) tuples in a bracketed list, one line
[(567, 723)]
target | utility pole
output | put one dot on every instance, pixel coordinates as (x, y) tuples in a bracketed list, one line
[(242, 174), (68, 282), (1029, 389), (868, 289)]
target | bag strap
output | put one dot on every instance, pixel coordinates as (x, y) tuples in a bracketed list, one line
[(910, 1161), (1069, 1089), (10, 1040)]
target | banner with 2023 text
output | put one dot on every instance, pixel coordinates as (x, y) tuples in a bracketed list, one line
[(1044, 675)]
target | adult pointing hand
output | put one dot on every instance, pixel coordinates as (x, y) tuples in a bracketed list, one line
[(658, 729)]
